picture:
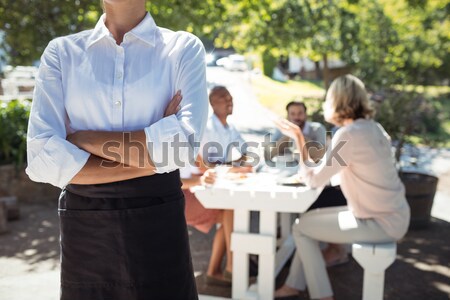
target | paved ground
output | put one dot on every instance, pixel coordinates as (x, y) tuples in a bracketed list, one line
[(29, 253), (29, 267)]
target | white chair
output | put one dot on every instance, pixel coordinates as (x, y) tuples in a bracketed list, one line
[(374, 259)]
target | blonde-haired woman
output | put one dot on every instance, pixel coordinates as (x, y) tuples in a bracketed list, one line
[(360, 153)]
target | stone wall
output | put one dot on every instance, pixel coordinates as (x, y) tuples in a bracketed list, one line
[(14, 182)]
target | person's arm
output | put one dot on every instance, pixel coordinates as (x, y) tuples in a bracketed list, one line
[(97, 170), (292, 131), (187, 126), (51, 158), (190, 182), (280, 146), (207, 178), (171, 142), (317, 147), (127, 148), (338, 155)]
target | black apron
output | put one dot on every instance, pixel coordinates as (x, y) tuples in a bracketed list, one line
[(126, 241)]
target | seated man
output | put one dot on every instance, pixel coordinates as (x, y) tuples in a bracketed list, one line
[(314, 132), (221, 144)]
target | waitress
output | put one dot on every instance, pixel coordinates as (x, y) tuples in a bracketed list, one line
[(116, 111)]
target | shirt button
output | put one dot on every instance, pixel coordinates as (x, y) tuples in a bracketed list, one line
[(117, 103), (119, 75)]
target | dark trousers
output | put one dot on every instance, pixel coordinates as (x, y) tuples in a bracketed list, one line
[(330, 196)]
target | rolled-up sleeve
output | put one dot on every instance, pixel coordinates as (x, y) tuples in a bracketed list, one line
[(173, 142), (51, 158)]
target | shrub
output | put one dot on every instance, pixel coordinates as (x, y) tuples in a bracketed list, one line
[(13, 131), (269, 63), (411, 117)]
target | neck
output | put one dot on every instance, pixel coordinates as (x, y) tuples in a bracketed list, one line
[(222, 119), (347, 122), (122, 17)]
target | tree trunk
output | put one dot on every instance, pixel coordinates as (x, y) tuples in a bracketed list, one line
[(318, 72), (3, 218), (326, 72)]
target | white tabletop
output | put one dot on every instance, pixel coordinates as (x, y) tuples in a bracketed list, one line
[(257, 192)]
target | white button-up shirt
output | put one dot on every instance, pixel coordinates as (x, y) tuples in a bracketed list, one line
[(221, 143), (88, 82)]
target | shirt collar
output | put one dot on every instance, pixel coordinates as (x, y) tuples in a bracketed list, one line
[(219, 124), (145, 31), (100, 31)]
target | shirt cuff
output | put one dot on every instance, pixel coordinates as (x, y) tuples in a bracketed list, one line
[(57, 162), (167, 145)]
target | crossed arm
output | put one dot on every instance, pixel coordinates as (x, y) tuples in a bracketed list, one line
[(116, 156)]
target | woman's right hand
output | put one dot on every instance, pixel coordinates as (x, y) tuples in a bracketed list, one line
[(174, 105), (209, 177), (289, 129), (293, 131)]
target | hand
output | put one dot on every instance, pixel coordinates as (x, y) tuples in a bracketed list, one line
[(174, 105), (209, 177), (289, 129)]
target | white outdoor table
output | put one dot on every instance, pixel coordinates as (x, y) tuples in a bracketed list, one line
[(259, 193)]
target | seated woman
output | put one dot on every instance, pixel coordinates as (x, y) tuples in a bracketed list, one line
[(360, 153), (203, 219)]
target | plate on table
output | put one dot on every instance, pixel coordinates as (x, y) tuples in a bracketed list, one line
[(291, 181), (236, 178)]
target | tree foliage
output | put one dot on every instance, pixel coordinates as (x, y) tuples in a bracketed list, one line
[(28, 26), (384, 41)]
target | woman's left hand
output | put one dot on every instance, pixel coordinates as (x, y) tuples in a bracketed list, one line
[(289, 129), (174, 105)]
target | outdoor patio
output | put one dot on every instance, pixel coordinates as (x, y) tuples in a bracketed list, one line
[(29, 262)]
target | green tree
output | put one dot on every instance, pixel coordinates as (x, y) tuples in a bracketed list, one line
[(28, 26), (312, 28), (399, 42)]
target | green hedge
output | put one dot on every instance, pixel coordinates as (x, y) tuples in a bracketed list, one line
[(269, 63), (13, 131)]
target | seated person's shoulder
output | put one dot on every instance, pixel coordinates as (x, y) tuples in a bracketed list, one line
[(316, 126)]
